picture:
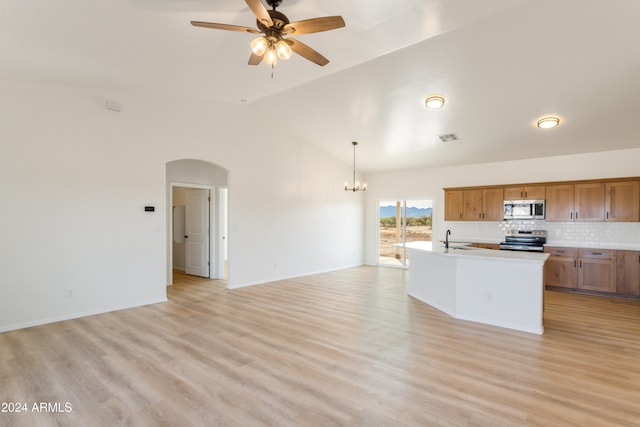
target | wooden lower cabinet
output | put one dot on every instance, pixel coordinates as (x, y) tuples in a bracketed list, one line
[(561, 269), (628, 273), (583, 269), (597, 270)]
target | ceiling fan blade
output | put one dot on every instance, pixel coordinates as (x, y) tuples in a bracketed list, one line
[(260, 11), (314, 25), (307, 52), (255, 59), (225, 27)]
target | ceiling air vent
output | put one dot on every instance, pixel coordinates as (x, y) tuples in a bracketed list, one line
[(447, 137)]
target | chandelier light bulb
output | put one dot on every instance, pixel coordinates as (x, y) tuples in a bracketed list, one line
[(259, 46)]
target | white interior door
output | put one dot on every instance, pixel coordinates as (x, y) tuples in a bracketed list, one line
[(197, 232)]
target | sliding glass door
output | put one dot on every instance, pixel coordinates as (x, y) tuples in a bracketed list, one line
[(402, 221)]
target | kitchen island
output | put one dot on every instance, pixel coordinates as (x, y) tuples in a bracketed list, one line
[(500, 288)]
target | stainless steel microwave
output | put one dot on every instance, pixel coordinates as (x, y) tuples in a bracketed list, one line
[(523, 209)]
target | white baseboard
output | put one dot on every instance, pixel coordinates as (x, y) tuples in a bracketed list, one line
[(278, 278), (77, 315)]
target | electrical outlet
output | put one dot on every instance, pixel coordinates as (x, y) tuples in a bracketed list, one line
[(489, 297), (68, 293)]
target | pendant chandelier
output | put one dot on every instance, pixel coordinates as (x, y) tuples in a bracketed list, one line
[(356, 185)]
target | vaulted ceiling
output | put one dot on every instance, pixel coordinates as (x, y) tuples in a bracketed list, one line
[(500, 64)]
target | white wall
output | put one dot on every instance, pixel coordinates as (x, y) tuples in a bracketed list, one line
[(75, 178), (428, 183)]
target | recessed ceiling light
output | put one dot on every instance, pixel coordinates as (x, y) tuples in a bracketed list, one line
[(434, 102), (548, 122)]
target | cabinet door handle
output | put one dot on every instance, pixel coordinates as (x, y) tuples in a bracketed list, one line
[(574, 263), (580, 263), (571, 215), (560, 252), (576, 215), (607, 215), (596, 253)]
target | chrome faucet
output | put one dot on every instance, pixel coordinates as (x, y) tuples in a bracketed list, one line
[(446, 239)]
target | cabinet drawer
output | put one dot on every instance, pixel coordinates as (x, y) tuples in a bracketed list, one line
[(597, 253), (565, 252)]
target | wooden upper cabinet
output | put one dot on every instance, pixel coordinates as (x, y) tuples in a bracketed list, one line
[(592, 200), (559, 202), (622, 201), (472, 205), (483, 204), (589, 202), (493, 204), (453, 203), (533, 192)]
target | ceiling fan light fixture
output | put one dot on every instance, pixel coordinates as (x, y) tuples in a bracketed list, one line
[(548, 122), (273, 25), (259, 45), (283, 49), (434, 102), (271, 57)]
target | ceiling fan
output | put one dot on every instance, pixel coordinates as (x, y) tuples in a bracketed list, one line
[(275, 25)]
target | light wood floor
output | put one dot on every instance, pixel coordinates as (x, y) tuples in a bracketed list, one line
[(341, 348)]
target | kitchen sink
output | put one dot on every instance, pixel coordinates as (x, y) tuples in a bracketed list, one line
[(463, 247)]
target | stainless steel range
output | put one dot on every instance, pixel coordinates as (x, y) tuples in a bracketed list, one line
[(524, 240)]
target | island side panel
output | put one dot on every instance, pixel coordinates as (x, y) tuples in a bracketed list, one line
[(504, 293), (432, 279)]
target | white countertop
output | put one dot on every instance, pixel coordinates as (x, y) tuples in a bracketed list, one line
[(463, 250), (559, 243), (588, 245)]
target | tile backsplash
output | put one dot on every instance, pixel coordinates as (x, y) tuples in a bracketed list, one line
[(580, 234)]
